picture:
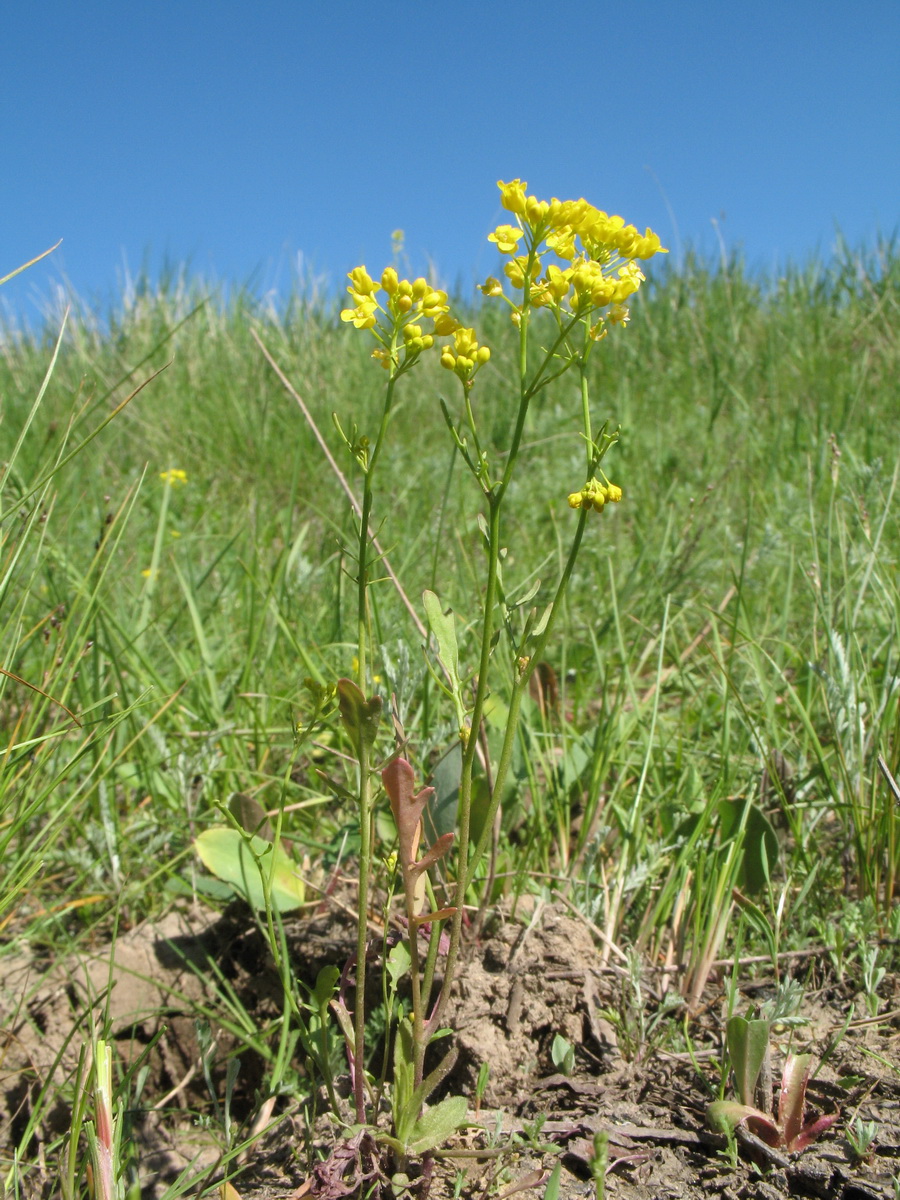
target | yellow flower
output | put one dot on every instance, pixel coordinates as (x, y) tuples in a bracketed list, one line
[(363, 316), (649, 245), (552, 289), (506, 238), (174, 477), (361, 283), (515, 270), (465, 341), (536, 211), (491, 287), (624, 288), (433, 303), (512, 196), (626, 241), (562, 243), (444, 324), (590, 286), (401, 317)]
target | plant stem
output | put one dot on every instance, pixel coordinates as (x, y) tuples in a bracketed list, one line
[(365, 781), (467, 862), (512, 720), (495, 500)]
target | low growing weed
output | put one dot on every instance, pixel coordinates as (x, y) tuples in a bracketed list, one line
[(748, 1050)]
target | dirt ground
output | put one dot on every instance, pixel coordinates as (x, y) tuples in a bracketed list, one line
[(524, 982)]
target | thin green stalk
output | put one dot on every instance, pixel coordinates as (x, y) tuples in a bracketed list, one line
[(467, 861), (495, 500), (519, 689), (469, 752), (365, 781)]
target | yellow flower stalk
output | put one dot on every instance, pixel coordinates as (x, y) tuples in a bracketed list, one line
[(568, 270), (393, 310), (599, 254)]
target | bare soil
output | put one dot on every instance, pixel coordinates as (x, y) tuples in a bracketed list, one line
[(524, 982)]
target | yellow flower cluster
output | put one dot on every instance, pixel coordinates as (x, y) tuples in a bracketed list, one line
[(600, 251), (465, 356), (174, 478), (397, 321), (595, 495)]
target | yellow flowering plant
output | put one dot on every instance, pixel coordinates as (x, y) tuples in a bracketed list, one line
[(580, 266)]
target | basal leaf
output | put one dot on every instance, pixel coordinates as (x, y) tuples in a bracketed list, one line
[(438, 1124), (724, 1116), (229, 855), (748, 1042), (760, 842), (440, 816), (443, 626), (792, 1097)]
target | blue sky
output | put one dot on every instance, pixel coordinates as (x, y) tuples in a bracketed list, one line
[(256, 139)]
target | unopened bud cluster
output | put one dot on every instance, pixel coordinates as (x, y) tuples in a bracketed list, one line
[(595, 495)]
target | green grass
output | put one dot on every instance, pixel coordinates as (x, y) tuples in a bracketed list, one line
[(731, 631)]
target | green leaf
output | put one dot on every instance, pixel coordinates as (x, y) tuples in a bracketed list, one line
[(232, 856), (443, 626), (345, 1022), (440, 815), (562, 1052), (438, 1124), (760, 845), (404, 1102), (551, 1191), (359, 716), (748, 1042), (250, 815), (326, 983), (398, 964)]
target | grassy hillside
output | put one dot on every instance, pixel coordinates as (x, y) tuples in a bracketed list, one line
[(731, 631)]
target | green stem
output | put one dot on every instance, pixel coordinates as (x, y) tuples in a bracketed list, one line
[(586, 416), (420, 1032), (365, 781), (365, 858), (469, 751), (468, 862), (495, 500), (512, 720)]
